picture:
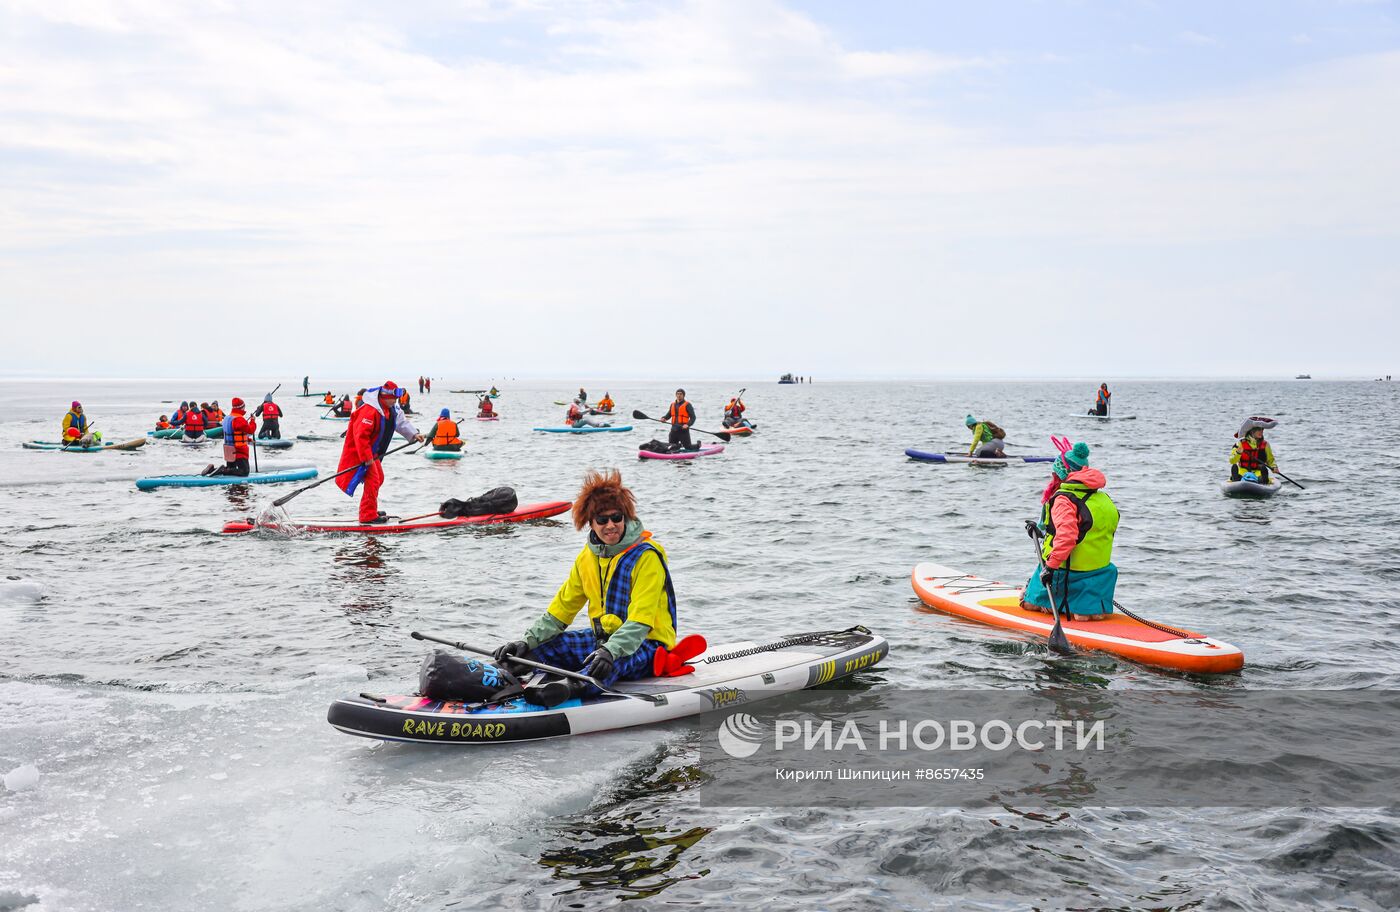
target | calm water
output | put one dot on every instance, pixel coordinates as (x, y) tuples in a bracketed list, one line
[(170, 684)]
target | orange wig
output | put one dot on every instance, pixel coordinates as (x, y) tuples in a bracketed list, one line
[(603, 493)]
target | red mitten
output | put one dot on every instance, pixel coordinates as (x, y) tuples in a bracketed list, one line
[(672, 663)]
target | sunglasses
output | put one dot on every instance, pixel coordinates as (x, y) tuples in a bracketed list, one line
[(606, 518)]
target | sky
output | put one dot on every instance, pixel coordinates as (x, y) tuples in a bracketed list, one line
[(737, 188)]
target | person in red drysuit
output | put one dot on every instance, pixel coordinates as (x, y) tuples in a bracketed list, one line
[(372, 429)]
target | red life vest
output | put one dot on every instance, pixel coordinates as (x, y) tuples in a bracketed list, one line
[(270, 410), (194, 421), (486, 407), (573, 414), (1253, 458)]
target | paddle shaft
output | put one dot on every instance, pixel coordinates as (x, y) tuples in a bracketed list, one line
[(1058, 641), (282, 500), (1287, 479), (577, 676), (86, 430), (639, 416)]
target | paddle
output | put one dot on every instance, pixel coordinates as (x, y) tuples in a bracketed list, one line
[(1287, 479), (577, 676), (639, 416), (1058, 641), (282, 500)]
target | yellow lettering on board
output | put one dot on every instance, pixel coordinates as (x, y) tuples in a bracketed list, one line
[(408, 726)]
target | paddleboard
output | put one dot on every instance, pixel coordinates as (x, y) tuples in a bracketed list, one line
[(520, 514), (430, 453), (216, 432), (333, 418), (711, 450), (492, 418), (725, 675), (1254, 489), (581, 430), (319, 438), (274, 443), (1105, 417), (998, 604), (202, 481), (974, 460), (560, 402), (55, 445), (739, 431), (311, 395)]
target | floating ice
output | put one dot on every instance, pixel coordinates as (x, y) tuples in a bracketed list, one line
[(22, 777)]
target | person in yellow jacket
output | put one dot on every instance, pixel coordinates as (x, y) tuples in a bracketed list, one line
[(622, 576), (1252, 457), (76, 420)]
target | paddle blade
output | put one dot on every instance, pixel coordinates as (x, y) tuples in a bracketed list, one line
[(1058, 641), (640, 416), (724, 436)]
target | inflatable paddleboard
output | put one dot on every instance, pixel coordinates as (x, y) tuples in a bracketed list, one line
[(998, 604), (725, 675), (334, 418), (430, 453), (311, 395), (216, 432), (202, 481), (492, 418), (320, 438), (1243, 488), (274, 443), (106, 447), (520, 514), (1105, 417), (684, 454), (581, 430), (740, 431), (974, 460)]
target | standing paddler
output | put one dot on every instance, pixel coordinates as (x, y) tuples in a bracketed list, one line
[(681, 416), (372, 429), (623, 577), (306, 385)]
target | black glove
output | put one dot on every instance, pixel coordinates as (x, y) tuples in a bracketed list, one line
[(513, 649), (599, 664), (1031, 528), (1047, 576)]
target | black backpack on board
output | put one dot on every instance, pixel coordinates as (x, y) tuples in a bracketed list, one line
[(497, 500)]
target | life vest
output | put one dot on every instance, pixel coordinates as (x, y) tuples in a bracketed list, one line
[(237, 439), (619, 593), (383, 434), (270, 410), (329, 400), (162, 425), (573, 414), (679, 412), (344, 409), (1104, 396), (1098, 521), (445, 432), (486, 407), (605, 405), (1253, 458), (216, 415), (194, 421), (734, 409), (73, 419)]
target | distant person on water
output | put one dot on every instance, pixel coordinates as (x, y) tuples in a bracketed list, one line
[(404, 400), (484, 408), (216, 411), (371, 431), (306, 385), (328, 399), (606, 404), (163, 423), (574, 416), (178, 418), (1079, 522), (445, 431), (622, 575), (988, 440), (344, 409), (734, 414), (238, 430), (420, 386), (681, 415), (582, 396), (1251, 457), (359, 398), (271, 416), (494, 392), (1101, 402), (428, 384)]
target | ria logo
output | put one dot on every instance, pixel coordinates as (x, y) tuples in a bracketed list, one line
[(741, 735)]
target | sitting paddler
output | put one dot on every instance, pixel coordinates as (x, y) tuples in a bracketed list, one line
[(605, 405), (494, 392), (404, 400), (622, 576), (344, 409), (178, 418), (328, 399), (444, 434), (74, 419), (988, 440), (681, 415), (485, 409), (734, 413), (271, 415), (1251, 458), (359, 399), (372, 429), (1101, 401), (238, 430), (1078, 521), (574, 416), (194, 423), (163, 423)]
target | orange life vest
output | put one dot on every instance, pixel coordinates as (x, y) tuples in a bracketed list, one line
[(679, 413), (445, 432)]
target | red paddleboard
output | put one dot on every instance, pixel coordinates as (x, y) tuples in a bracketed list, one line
[(521, 514)]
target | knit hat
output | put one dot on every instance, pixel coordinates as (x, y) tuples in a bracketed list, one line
[(970, 421), (77, 404), (237, 403), (445, 413), (267, 398), (1071, 461)]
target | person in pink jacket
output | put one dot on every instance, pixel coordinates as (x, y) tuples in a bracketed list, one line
[(1078, 521)]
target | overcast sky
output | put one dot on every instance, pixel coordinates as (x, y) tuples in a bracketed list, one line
[(699, 189)]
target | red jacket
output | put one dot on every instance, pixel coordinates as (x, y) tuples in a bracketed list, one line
[(243, 428), (369, 428)]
